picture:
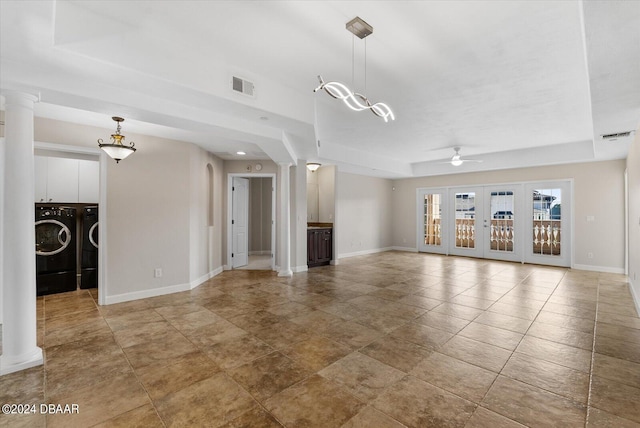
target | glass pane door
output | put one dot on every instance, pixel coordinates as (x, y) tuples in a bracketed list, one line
[(502, 219), (467, 214), (431, 224), (549, 216)]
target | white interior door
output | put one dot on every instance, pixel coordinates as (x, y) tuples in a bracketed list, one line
[(432, 220), (548, 209), (503, 222), (467, 219), (240, 221)]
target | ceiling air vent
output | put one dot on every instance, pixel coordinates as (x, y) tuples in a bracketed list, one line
[(242, 86), (613, 137)]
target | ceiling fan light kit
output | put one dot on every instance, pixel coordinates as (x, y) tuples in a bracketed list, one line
[(354, 100), (456, 159)]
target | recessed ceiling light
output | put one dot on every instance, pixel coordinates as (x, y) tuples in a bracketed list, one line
[(241, 153), (264, 118)]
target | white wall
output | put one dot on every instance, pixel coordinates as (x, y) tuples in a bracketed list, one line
[(363, 214), (598, 191), (326, 193), (633, 169)]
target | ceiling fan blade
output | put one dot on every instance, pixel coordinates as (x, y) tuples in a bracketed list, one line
[(471, 160)]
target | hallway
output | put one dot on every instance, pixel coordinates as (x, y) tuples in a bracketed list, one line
[(385, 340)]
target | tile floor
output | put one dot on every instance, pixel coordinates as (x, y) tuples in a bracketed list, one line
[(386, 340)]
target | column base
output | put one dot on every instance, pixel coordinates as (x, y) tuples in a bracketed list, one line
[(9, 365), (287, 273)]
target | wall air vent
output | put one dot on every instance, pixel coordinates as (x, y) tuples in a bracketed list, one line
[(613, 137), (242, 86)]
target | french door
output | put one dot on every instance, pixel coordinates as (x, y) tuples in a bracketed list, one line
[(513, 222)]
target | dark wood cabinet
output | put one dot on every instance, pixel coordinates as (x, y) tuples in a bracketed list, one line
[(319, 246)]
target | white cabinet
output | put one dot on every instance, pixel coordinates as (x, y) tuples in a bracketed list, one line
[(63, 180), (40, 164), (88, 181)]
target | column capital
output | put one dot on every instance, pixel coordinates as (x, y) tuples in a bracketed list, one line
[(285, 164), (20, 98)]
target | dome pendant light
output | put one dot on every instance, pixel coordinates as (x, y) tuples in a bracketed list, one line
[(116, 150), (340, 91)]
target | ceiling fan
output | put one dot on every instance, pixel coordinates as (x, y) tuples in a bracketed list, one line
[(456, 160)]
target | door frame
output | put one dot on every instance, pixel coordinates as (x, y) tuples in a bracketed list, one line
[(230, 176), (521, 227)]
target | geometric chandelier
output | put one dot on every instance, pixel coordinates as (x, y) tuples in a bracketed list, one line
[(354, 100), (116, 150)]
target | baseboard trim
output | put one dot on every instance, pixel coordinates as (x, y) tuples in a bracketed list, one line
[(407, 249), (635, 296), (160, 291), (204, 278), (605, 269), (364, 252), (298, 269), (260, 253)]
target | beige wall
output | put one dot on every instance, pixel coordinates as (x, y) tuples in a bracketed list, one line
[(633, 171), (155, 211), (326, 193), (598, 191), (363, 214)]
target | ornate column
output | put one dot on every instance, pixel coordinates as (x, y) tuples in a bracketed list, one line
[(19, 336), (285, 220)]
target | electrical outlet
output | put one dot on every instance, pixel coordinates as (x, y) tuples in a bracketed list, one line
[(589, 255), (157, 272)]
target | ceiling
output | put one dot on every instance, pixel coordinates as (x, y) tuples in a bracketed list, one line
[(516, 83)]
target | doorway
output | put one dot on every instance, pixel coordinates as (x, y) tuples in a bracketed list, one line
[(528, 222), (251, 221)]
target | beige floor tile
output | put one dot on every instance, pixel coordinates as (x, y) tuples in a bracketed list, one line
[(237, 350), (254, 418), (532, 406), (568, 356), (398, 353), (305, 404), (369, 418), (442, 321), (27, 386), (143, 416), (213, 333), (316, 352), (615, 369), (616, 398), (492, 335), (381, 322), (192, 406), (420, 301), (458, 311), (288, 310), (473, 352), (282, 334), (83, 364), (514, 311), (191, 321), (617, 349), (73, 319), (619, 332), (416, 403), (172, 375), (100, 402), (599, 418), (506, 322), (562, 335), (484, 418), (422, 335), (617, 319), (470, 301), (163, 347), (362, 376), (269, 375), (573, 323), (352, 334), (141, 333), (128, 320), (91, 328), (555, 378), (463, 379)]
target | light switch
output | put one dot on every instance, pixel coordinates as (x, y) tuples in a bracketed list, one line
[(591, 218)]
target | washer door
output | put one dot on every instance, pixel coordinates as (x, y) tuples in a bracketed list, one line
[(93, 235), (52, 237)]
